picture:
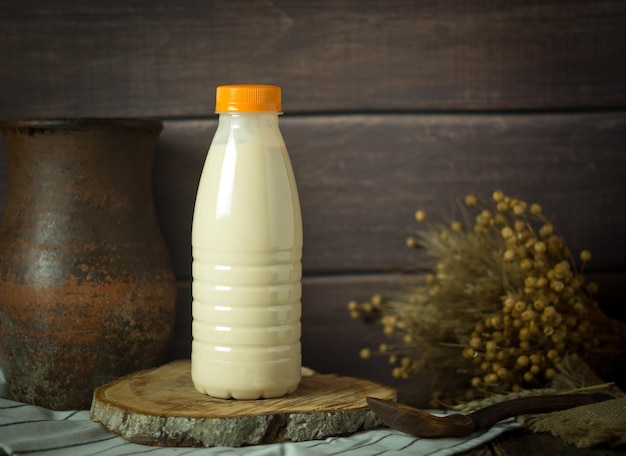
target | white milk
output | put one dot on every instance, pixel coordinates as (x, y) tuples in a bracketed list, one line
[(247, 249)]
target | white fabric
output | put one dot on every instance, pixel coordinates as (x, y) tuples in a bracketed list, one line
[(30, 430)]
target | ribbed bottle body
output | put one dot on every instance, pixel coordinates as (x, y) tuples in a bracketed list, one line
[(247, 250)]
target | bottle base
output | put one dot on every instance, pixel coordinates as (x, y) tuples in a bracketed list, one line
[(246, 373), (246, 395)]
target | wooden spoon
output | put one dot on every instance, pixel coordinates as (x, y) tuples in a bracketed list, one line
[(422, 424)]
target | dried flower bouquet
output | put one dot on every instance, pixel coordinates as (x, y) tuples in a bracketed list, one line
[(505, 303)]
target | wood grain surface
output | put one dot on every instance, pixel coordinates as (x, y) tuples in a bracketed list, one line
[(163, 60), (161, 406), (362, 177)]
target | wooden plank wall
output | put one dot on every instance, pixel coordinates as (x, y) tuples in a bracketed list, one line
[(390, 106)]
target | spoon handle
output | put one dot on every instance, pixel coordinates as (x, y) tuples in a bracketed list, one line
[(492, 414)]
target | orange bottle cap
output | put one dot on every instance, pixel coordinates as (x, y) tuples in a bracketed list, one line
[(248, 98)]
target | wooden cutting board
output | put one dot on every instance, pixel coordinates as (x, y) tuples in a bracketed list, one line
[(161, 407)]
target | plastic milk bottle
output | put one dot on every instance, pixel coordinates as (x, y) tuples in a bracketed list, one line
[(247, 250)]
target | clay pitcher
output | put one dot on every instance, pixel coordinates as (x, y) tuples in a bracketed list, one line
[(87, 293)]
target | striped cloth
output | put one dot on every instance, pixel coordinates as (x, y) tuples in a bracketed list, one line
[(30, 430)]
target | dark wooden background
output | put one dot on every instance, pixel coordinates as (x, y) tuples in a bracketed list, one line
[(391, 106)]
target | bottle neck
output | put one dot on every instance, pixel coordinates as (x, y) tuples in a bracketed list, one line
[(248, 114), (249, 119)]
